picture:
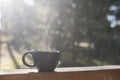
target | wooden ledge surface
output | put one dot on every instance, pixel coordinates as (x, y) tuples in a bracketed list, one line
[(70, 73), (64, 69)]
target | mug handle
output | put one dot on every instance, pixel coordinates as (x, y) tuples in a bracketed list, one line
[(24, 61)]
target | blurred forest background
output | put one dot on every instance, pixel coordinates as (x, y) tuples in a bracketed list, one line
[(86, 32)]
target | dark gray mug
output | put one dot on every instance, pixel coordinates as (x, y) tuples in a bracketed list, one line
[(44, 61)]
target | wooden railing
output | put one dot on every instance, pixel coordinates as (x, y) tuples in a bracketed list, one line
[(73, 73)]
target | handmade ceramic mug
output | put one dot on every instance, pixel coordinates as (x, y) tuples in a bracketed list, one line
[(44, 61)]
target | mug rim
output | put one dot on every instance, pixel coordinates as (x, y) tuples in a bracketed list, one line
[(45, 52)]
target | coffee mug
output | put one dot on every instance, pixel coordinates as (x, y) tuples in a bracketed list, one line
[(44, 61)]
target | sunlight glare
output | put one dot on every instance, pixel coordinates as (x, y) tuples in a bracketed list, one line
[(0, 21), (29, 2), (5, 2)]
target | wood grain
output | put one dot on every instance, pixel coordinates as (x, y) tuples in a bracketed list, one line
[(105, 74)]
